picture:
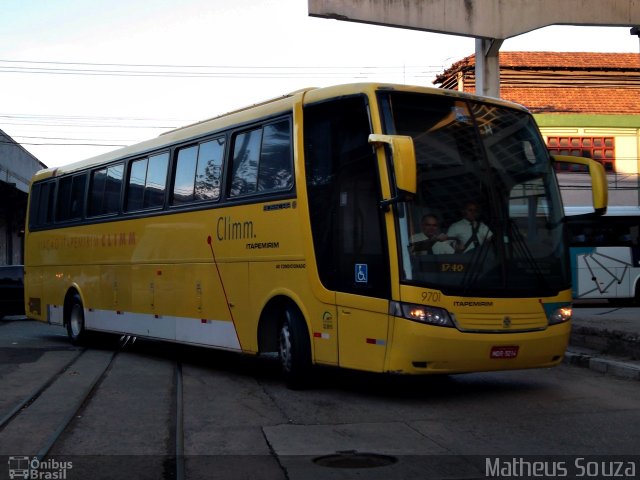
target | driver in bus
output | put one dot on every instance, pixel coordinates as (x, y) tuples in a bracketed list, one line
[(469, 232)]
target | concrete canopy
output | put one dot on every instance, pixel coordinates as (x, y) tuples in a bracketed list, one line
[(480, 18), (490, 22)]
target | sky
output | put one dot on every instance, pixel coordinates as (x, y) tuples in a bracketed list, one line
[(82, 77)]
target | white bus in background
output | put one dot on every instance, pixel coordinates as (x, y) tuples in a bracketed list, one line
[(605, 253)]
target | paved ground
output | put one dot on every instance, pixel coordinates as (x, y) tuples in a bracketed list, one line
[(156, 411), (606, 339)]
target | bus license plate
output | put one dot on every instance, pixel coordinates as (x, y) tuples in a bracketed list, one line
[(510, 351)]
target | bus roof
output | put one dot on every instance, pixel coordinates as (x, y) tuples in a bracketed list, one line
[(269, 107), (253, 112)]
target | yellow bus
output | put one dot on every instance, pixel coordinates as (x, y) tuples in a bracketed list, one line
[(289, 228)]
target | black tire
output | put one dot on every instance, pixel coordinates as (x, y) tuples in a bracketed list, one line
[(75, 321), (294, 349)]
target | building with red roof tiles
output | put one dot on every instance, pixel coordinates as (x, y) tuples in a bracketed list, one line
[(586, 104), (560, 82)]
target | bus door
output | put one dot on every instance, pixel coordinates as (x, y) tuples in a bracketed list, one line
[(363, 273), (363, 329), (347, 225)]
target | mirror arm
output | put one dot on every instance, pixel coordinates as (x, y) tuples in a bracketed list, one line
[(386, 204), (401, 197)]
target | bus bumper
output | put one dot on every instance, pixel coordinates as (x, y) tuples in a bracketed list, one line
[(423, 349)]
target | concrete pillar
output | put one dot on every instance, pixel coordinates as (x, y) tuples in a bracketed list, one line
[(488, 66)]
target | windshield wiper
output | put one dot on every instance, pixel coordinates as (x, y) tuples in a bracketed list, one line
[(522, 250), (474, 267)]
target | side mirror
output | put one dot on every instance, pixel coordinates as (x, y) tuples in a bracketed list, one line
[(404, 159), (599, 187)]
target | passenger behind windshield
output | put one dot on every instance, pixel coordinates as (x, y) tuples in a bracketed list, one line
[(469, 232)]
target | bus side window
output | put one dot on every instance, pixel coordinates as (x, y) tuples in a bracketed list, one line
[(35, 210), (198, 173), (246, 153), (135, 187), (209, 171), (113, 189), (156, 181), (40, 208), (147, 182), (262, 160), (96, 192), (104, 192), (77, 196), (183, 183), (634, 230), (70, 199), (275, 172), (47, 202)]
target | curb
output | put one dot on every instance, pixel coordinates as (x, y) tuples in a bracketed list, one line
[(616, 367), (608, 341)]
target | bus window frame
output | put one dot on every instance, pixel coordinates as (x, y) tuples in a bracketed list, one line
[(256, 195), (88, 218), (127, 179), (173, 169), (167, 208), (56, 208)]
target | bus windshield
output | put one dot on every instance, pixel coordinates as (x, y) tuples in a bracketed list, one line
[(487, 216)]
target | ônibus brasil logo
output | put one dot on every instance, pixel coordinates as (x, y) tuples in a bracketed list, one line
[(34, 468)]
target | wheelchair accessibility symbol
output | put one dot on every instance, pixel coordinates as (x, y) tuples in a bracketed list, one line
[(362, 273)]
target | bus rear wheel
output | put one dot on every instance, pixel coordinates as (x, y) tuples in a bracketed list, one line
[(294, 350), (75, 321)]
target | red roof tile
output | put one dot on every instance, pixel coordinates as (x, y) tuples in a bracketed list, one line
[(621, 101), (562, 82), (558, 60), (569, 60)]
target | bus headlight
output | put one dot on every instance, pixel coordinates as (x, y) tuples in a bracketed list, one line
[(422, 313), (560, 315)]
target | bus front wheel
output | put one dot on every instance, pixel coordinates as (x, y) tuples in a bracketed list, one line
[(294, 350), (75, 321)]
